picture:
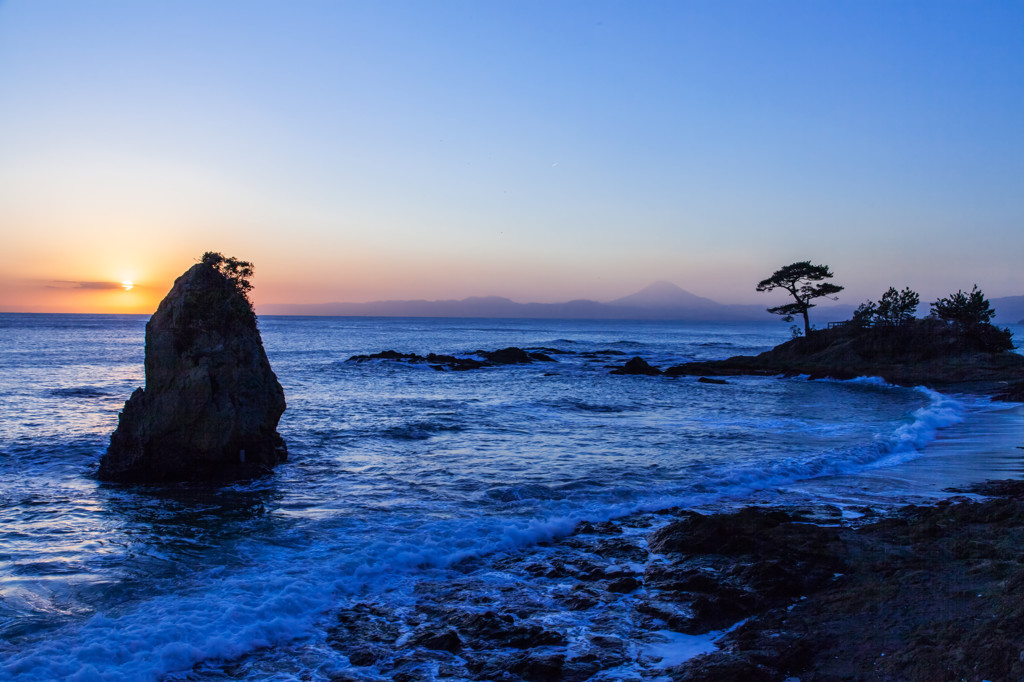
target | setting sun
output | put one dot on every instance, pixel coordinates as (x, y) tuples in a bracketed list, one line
[(127, 285)]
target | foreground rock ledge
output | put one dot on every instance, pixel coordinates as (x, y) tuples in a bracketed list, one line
[(932, 593), (211, 404)]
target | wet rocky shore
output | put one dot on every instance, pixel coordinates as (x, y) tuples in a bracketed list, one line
[(930, 593), (921, 593)]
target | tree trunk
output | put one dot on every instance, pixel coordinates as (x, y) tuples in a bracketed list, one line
[(807, 323)]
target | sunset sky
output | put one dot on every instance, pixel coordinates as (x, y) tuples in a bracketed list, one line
[(538, 150)]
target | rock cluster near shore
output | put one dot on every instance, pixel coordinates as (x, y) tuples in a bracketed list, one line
[(475, 360), (211, 404), (927, 593)]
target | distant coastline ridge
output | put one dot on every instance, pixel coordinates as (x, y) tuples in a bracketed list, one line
[(659, 301)]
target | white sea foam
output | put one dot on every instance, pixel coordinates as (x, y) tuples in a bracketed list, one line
[(869, 381), (676, 647)]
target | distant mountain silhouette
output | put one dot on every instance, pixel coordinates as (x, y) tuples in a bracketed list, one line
[(663, 294), (1009, 309), (659, 301)]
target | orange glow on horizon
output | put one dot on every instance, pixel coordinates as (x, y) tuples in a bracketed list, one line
[(81, 297)]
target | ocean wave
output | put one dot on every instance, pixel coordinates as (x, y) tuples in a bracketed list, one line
[(419, 430), (600, 408), (80, 392), (525, 491)]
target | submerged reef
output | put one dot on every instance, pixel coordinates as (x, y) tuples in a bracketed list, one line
[(211, 404)]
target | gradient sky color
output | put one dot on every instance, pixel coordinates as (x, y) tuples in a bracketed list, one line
[(541, 151)]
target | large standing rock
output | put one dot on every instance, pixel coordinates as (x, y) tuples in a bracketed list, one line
[(211, 404)]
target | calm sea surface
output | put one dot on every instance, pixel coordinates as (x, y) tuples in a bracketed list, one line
[(399, 474)]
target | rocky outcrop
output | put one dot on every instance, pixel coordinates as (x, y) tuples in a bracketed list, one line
[(932, 593), (502, 356), (639, 366), (211, 404), (927, 352)]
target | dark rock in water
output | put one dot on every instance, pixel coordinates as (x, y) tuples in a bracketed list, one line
[(211, 404), (388, 355), (1013, 392), (597, 528), (502, 630), (504, 356), (526, 666), (446, 640), (749, 561), (624, 585), (637, 366), (507, 356), (454, 363), (707, 380)]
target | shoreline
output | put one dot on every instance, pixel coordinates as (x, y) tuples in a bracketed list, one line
[(929, 593), (617, 599), (920, 592)]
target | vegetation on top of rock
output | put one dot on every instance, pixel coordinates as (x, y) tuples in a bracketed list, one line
[(968, 314), (804, 283), (894, 309), (964, 310), (897, 308), (237, 272)]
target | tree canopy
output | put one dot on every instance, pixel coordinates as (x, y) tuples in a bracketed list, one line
[(963, 309), (897, 308), (804, 283), (894, 309), (236, 271)]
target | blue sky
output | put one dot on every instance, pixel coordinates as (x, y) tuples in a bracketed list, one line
[(536, 150)]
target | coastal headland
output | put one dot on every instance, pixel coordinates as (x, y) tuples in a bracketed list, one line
[(925, 353)]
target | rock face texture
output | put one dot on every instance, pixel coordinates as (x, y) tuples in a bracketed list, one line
[(211, 404)]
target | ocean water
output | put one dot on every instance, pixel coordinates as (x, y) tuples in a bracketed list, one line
[(402, 479)]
